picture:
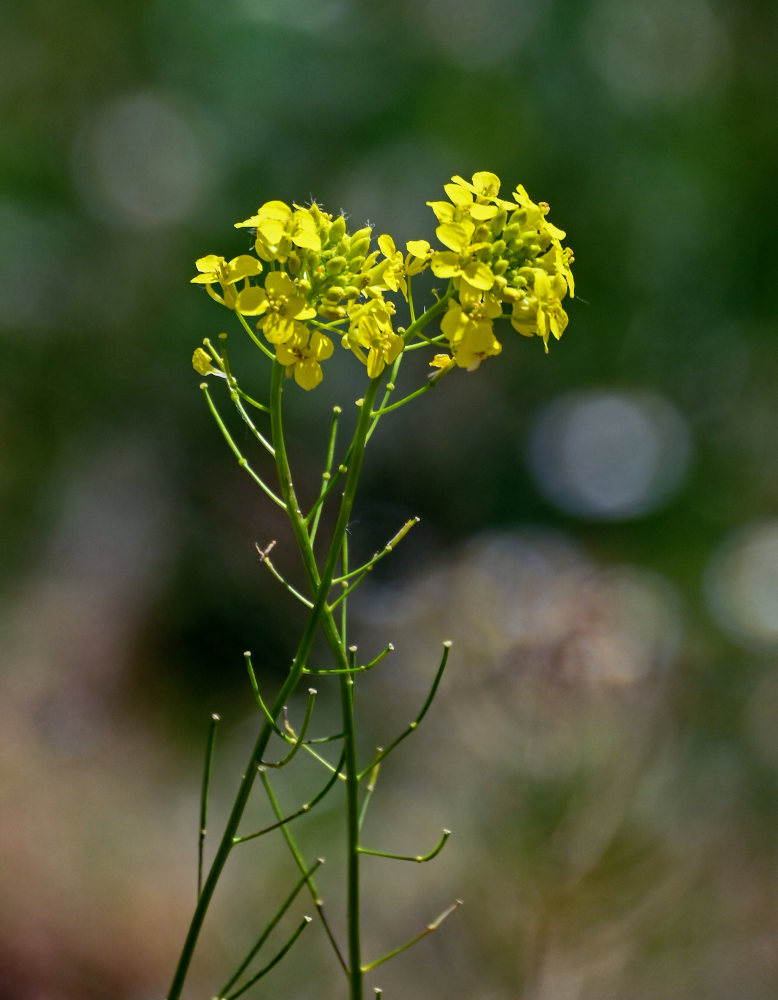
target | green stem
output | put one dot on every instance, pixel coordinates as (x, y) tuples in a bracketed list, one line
[(352, 835), (324, 582), (215, 720), (334, 637)]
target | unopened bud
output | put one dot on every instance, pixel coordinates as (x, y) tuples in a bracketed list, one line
[(335, 265), (359, 246), (331, 312), (337, 229)]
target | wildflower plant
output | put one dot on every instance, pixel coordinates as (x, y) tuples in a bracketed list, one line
[(310, 291)]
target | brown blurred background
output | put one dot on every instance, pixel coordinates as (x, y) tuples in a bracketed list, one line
[(599, 531)]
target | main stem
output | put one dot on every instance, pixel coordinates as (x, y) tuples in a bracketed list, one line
[(335, 641), (324, 582)]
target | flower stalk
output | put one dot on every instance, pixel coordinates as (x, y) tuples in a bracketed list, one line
[(310, 281)]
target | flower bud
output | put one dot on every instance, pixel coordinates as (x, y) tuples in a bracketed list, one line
[(334, 293), (337, 230), (359, 246), (331, 312), (336, 264)]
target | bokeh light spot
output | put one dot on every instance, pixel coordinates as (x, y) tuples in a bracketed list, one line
[(607, 455), (741, 585), (476, 35), (139, 162), (647, 52)]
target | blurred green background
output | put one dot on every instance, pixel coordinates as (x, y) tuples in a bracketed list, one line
[(599, 533)]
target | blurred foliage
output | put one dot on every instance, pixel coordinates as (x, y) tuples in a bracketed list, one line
[(133, 135)]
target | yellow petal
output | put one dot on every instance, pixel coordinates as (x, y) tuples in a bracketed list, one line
[(375, 362), (455, 235), (445, 264), (252, 301), (419, 248), (478, 275), (201, 362), (386, 245), (210, 263), (486, 183), (307, 374), (320, 346), (243, 267)]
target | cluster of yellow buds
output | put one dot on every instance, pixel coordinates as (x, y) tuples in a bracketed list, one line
[(315, 278), (499, 253)]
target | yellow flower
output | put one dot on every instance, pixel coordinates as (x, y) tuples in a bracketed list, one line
[(469, 328), (201, 362), (541, 311), (418, 258), (279, 228), (371, 331), (279, 304), (478, 342), (459, 261), (216, 270), (301, 353), (485, 184), (476, 201), (442, 361), (393, 268)]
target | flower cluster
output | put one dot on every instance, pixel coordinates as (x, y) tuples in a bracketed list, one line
[(499, 254), (310, 279), (317, 277)]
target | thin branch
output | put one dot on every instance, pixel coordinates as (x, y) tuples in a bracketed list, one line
[(242, 462), (258, 698), (410, 857), (305, 808), (209, 747), (274, 961), (408, 944), (389, 547), (266, 932), (415, 724), (295, 851), (298, 740), (326, 475), (369, 789), (355, 670), (265, 559)]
